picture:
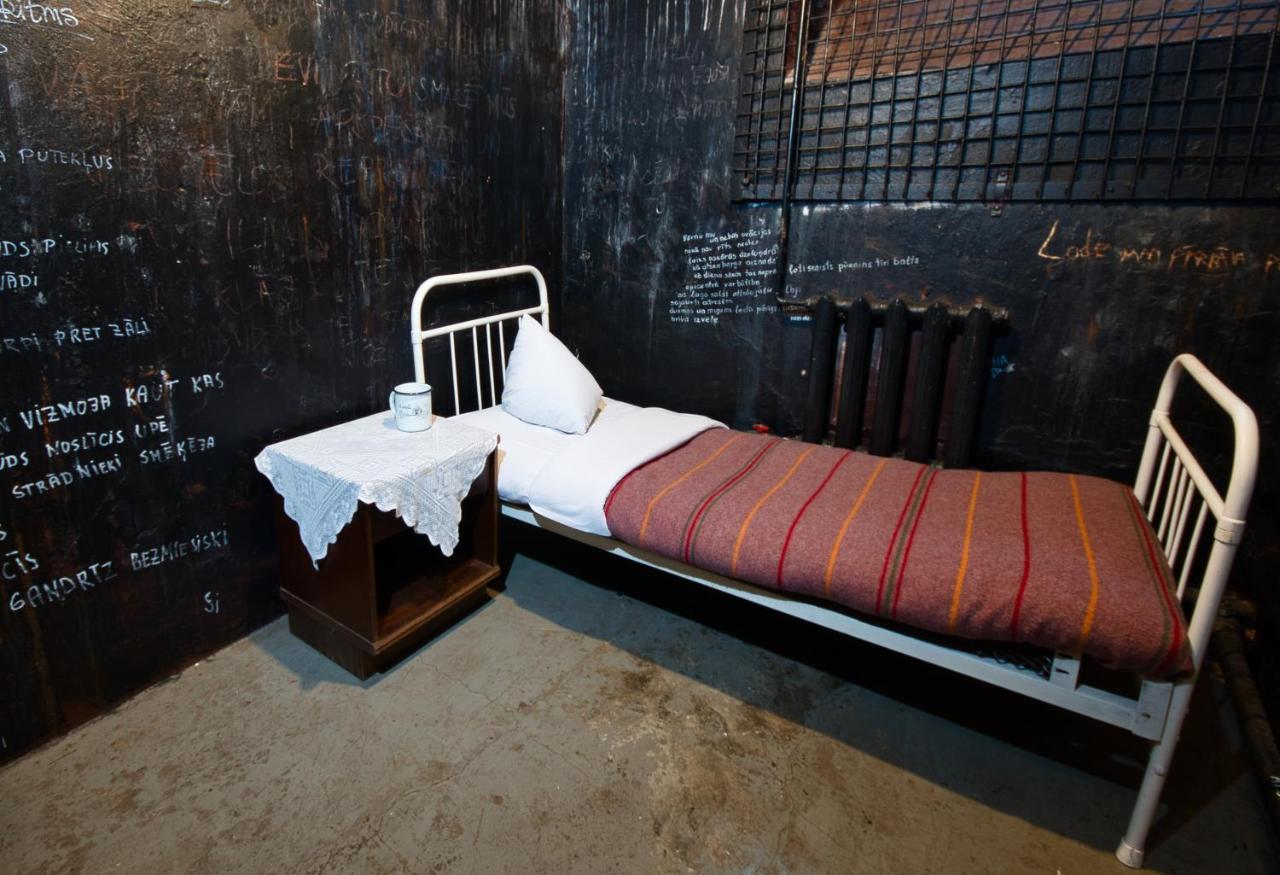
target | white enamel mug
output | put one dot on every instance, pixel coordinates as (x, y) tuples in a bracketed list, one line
[(411, 404)]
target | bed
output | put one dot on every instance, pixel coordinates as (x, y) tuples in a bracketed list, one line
[(932, 563)]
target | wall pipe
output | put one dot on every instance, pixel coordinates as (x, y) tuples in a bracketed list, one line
[(793, 139), (878, 306), (1259, 739)]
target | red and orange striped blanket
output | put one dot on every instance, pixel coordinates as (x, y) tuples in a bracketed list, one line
[(1056, 560)]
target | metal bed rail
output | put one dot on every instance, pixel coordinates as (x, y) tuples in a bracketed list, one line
[(418, 337)]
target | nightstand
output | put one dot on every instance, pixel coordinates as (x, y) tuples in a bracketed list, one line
[(377, 587)]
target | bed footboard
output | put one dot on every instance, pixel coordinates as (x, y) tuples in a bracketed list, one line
[(1171, 486)]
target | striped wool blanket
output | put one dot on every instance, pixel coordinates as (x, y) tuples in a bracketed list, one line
[(1056, 560)]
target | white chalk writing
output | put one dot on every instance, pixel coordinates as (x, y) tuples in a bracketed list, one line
[(26, 248), (125, 327), (49, 413), (17, 564), (181, 450), (57, 590), (9, 281), (46, 245), (50, 482), (725, 274), (10, 461), (30, 12), (21, 343), (838, 267), (87, 161), (146, 393), (178, 549), (76, 335), (396, 24), (90, 440), (158, 425), (207, 382)]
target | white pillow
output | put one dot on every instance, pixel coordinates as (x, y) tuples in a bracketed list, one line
[(545, 384)]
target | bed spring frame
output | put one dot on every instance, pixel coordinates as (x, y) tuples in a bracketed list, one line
[(1180, 500)]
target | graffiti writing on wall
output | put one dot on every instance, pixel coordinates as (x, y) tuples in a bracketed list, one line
[(1184, 256)]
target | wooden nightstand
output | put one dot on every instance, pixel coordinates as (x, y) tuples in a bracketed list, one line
[(383, 589), (380, 589)]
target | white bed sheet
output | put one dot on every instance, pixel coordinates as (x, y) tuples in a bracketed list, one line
[(524, 449), (567, 478)]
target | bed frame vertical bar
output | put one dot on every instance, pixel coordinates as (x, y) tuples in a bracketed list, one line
[(488, 361), (1179, 528), (1177, 484), (1159, 483), (453, 367), (475, 358), (1192, 548)]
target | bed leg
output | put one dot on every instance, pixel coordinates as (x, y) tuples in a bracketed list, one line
[(1133, 846)]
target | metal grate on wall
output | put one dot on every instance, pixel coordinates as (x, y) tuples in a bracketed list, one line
[(1018, 99)]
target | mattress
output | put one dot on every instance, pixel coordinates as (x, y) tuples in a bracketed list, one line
[(1058, 561)]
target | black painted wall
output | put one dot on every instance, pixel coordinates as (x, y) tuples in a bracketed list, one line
[(1101, 297), (215, 214)]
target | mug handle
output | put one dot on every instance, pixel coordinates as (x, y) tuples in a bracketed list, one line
[(391, 402)]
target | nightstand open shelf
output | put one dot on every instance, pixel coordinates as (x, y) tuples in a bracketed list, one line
[(383, 589)]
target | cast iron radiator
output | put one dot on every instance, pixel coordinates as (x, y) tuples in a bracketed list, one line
[(943, 350), (944, 353)]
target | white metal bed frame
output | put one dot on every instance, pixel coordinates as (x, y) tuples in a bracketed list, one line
[(1169, 484)]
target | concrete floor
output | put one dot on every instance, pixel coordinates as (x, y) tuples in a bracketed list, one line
[(569, 727)]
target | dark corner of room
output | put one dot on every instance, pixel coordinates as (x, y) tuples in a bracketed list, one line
[(639, 436)]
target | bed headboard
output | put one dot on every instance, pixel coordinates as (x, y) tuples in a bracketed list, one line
[(487, 370)]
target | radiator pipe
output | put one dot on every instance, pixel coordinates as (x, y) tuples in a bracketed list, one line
[(894, 350), (975, 359), (822, 359), (1229, 652), (853, 382), (926, 397), (957, 312)]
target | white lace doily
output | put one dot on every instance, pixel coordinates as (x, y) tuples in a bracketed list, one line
[(421, 476)]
